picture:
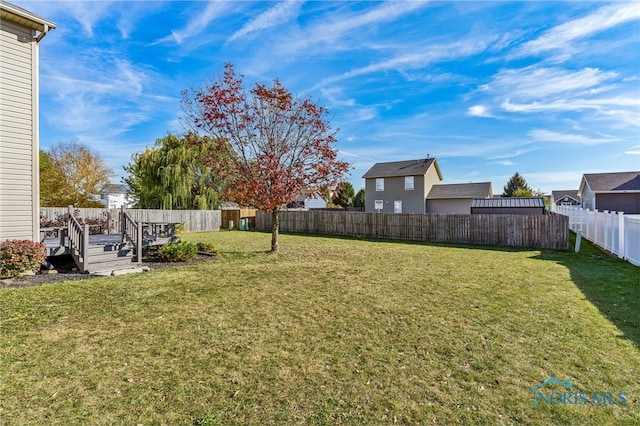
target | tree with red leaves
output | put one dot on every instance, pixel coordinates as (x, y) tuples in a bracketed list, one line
[(279, 147)]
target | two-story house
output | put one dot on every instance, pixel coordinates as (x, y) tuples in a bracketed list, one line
[(20, 34), (400, 186)]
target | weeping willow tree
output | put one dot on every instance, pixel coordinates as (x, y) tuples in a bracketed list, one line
[(172, 175)]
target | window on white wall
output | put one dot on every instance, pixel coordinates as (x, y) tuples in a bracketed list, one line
[(380, 184), (408, 183)]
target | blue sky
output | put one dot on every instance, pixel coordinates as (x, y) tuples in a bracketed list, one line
[(548, 89)]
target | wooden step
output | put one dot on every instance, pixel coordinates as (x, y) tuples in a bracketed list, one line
[(110, 256)]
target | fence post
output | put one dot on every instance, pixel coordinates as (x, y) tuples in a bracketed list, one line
[(606, 235), (621, 250)]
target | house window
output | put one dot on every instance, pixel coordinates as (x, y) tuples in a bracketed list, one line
[(397, 206), (379, 204), (380, 184), (408, 183)]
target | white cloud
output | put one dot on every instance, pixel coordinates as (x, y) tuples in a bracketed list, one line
[(601, 104), (603, 19), (547, 136), (198, 23), (540, 82), (479, 111), (279, 14), (634, 150), (341, 24), (415, 59)]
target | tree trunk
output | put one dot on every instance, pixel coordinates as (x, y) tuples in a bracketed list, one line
[(275, 226)]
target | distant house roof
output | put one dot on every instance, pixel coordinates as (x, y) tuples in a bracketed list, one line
[(114, 188), (509, 202), (611, 182), (571, 193), (228, 205), (461, 190), (402, 168)]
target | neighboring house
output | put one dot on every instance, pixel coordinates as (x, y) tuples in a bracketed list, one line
[(508, 205), (400, 186), (618, 192), (20, 34), (565, 198), (115, 196), (313, 202), (456, 198)]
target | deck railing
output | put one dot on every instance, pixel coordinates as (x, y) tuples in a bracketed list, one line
[(132, 233), (78, 236)]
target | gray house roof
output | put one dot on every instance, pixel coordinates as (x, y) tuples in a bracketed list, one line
[(402, 168), (460, 190), (572, 193), (611, 182), (509, 202), (115, 188)]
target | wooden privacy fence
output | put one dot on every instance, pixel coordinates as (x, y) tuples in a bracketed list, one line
[(535, 231), (193, 220)]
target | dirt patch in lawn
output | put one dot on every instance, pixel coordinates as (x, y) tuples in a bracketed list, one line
[(66, 270)]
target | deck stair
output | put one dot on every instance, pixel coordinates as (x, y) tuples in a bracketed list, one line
[(104, 253), (116, 256)]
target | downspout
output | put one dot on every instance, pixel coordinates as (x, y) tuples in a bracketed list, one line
[(43, 33)]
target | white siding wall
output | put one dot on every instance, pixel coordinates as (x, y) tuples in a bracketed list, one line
[(18, 134)]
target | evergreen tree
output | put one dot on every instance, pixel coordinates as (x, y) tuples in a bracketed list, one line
[(344, 197), (359, 199), (517, 187)]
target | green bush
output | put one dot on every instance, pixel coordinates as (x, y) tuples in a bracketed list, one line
[(207, 247), (177, 252), (17, 257)]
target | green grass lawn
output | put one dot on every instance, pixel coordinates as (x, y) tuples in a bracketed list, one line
[(329, 331)]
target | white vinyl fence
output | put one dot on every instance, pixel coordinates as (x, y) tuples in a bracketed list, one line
[(613, 231)]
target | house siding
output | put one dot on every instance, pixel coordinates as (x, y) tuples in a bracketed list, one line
[(588, 198), (18, 133), (449, 206), (629, 203), (412, 201)]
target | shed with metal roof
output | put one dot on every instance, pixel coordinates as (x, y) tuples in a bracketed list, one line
[(508, 205)]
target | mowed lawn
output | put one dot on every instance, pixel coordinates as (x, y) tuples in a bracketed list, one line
[(329, 331)]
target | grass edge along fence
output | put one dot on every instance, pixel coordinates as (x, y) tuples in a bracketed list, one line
[(193, 220), (532, 231), (613, 231)]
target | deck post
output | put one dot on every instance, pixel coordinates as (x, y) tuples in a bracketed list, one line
[(122, 224), (139, 243), (85, 248)]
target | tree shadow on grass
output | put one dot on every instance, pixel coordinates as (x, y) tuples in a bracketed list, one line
[(609, 283)]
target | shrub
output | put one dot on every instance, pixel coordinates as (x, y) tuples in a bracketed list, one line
[(206, 247), (177, 252), (17, 257)]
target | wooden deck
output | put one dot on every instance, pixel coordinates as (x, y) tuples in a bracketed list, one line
[(56, 247)]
